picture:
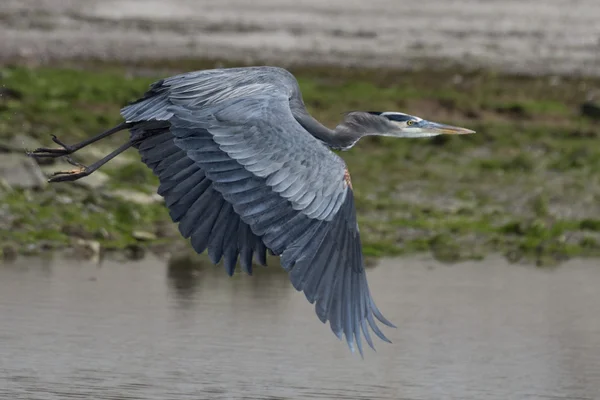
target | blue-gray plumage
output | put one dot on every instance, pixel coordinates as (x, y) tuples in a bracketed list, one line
[(244, 168)]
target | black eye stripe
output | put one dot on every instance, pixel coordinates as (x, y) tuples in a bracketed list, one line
[(398, 117), (394, 117)]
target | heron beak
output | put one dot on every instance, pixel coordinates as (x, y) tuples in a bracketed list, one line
[(441, 129)]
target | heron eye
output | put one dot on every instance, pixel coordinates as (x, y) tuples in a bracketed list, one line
[(409, 123)]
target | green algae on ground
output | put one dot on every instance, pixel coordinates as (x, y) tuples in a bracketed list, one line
[(60, 213), (527, 184)]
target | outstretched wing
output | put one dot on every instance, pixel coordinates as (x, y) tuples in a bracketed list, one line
[(291, 191)]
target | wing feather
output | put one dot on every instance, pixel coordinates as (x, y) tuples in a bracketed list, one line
[(215, 242), (203, 215)]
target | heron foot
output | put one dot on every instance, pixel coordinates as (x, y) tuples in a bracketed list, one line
[(72, 175), (47, 152)]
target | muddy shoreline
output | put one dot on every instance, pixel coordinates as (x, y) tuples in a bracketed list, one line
[(519, 37)]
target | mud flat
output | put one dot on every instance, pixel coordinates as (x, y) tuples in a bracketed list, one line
[(558, 36)]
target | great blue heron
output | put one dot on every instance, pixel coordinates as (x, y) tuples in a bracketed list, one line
[(244, 168)]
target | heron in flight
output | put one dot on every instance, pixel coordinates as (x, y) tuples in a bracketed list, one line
[(244, 168)]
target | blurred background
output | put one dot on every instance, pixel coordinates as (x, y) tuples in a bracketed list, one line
[(484, 249)]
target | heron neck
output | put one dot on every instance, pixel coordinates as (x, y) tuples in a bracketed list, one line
[(336, 139)]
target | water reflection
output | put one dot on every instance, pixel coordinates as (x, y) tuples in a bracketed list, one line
[(155, 330), (184, 276), (194, 281)]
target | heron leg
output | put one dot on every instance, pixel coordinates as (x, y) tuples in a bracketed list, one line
[(82, 170), (65, 149)]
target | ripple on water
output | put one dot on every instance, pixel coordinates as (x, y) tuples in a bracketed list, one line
[(146, 330)]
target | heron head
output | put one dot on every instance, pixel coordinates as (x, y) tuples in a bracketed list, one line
[(410, 126), (358, 124)]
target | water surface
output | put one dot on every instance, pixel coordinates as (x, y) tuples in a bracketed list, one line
[(146, 330)]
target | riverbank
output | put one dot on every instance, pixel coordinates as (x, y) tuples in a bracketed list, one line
[(526, 185)]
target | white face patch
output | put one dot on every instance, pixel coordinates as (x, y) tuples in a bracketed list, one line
[(407, 126), (401, 120)]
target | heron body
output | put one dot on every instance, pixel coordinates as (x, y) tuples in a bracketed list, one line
[(244, 168)]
